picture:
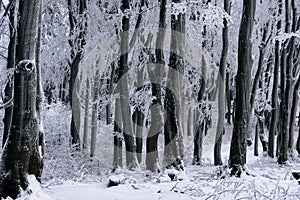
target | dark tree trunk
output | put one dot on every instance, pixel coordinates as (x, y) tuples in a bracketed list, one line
[(77, 46), (21, 155), (228, 97), (139, 121), (110, 91), (172, 129), (273, 125), (293, 70), (200, 121), (238, 147), (156, 76), (286, 87), (129, 137), (221, 96)]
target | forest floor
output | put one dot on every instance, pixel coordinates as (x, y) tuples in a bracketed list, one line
[(69, 175)]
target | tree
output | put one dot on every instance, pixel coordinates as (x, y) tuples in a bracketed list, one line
[(78, 22), (221, 84), (274, 114), (288, 69), (172, 130), (22, 155), (238, 147), (155, 77), (128, 133)]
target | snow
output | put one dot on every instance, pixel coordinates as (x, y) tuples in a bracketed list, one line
[(69, 176)]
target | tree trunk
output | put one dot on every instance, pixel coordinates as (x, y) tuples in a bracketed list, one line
[(110, 91), (238, 147), (86, 116), (200, 121), (129, 137), (295, 105), (37, 141), (118, 158), (94, 114), (221, 96), (156, 75), (173, 129), (77, 46), (286, 86), (274, 118), (139, 119), (21, 155), (294, 85)]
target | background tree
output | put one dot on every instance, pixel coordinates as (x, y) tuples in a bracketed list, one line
[(221, 90), (78, 23)]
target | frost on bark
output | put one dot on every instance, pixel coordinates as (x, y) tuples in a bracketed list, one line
[(238, 147)]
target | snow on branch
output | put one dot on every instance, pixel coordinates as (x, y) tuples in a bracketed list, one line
[(7, 104), (285, 36)]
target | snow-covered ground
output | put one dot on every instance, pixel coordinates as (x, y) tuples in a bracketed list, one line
[(75, 176)]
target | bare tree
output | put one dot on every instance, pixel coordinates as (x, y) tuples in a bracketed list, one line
[(238, 147), (274, 117), (77, 18), (221, 84), (173, 152)]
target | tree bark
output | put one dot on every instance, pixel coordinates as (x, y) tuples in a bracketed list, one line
[(156, 75), (118, 158), (77, 46), (21, 155), (173, 129), (286, 87), (94, 114), (86, 116), (238, 147), (274, 118), (129, 137), (221, 96), (295, 105)]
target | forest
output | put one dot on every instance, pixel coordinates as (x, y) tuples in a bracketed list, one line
[(141, 99)]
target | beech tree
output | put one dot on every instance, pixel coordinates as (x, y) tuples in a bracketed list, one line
[(221, 97), (238, 148), (23, 149), (173, 152), (78, 23)]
